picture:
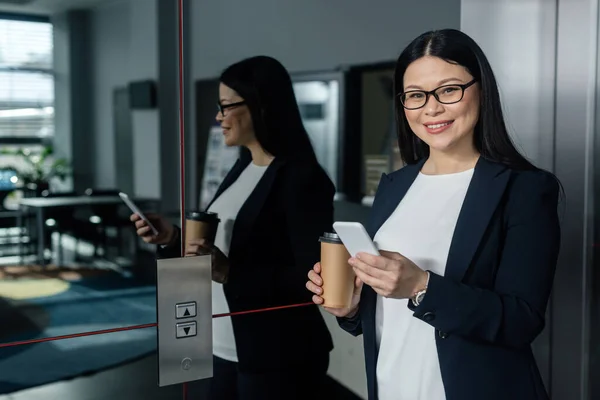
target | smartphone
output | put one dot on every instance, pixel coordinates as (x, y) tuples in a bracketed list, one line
[(137, 211), (355, 238)]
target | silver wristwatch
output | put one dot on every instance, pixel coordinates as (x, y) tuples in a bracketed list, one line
[(418, 297)]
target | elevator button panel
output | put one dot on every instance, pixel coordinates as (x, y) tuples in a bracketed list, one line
[(184, 308)]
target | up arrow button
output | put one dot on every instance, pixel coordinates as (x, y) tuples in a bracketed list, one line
[(185, 310)]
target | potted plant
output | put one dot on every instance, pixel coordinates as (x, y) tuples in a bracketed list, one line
[(40, 168)]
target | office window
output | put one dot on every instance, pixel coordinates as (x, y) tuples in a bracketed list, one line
[(27, 80), (26, 93)]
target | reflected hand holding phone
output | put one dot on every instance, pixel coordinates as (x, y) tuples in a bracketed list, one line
[(135, 209)]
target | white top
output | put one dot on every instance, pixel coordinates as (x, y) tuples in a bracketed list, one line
[(227, 205), (421, 229)]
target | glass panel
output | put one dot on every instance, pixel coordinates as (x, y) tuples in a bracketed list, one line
[(115, 118), (79, 122), (319, 103)]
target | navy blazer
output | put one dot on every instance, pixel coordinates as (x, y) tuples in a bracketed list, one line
[(491, 303)]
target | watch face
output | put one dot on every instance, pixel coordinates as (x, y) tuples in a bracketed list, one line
[(419, 297)]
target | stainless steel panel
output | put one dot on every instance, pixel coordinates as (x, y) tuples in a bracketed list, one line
[(594, 332), (519, 39), (184, 341), (575, 96)]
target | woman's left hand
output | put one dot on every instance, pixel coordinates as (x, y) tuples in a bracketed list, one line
[(390, 274), (220, 262)]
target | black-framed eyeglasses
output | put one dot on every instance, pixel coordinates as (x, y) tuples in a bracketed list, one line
[(446, 94), (223, 107)]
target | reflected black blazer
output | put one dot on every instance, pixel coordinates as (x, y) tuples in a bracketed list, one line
[(491, 303), (275, 242)]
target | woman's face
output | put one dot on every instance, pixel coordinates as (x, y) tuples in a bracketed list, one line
[(444, 127), (235, 120)]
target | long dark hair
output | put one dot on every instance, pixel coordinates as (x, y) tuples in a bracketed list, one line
[(266, 86), (491, 136)]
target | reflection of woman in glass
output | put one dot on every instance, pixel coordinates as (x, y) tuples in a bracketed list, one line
[(274, 204), (471, 230)]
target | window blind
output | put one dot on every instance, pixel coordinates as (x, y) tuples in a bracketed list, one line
[(26, 80)]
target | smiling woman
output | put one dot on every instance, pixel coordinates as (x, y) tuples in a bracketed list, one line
[(468, 234)]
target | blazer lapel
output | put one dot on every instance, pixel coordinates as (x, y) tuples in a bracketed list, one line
[(251, 208), (391, 191), (231, 176), (481, 201)]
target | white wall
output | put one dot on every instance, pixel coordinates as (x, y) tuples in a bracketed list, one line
[(314, 35), (124, 45), (310, 34)]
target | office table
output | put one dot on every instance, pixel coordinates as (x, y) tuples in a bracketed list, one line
[(40, 204)]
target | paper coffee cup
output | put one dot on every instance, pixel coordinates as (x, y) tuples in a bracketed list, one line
[(201, 225), (338, 276)]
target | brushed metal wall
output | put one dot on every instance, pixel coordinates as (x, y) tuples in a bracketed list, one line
[(576, 75)]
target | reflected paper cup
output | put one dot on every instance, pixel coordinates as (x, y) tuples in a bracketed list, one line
[(338, 276), (201, 225)]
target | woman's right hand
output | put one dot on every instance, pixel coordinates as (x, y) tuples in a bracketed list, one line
[(315, 284), (166, 230)]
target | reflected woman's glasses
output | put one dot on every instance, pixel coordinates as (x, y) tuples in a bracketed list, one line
[(223, 107)]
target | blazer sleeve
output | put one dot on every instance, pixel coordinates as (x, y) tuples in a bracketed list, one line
[(351, 325), (512, 314), (308, 209)]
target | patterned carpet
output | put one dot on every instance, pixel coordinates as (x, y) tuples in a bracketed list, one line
[(38, 302)]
